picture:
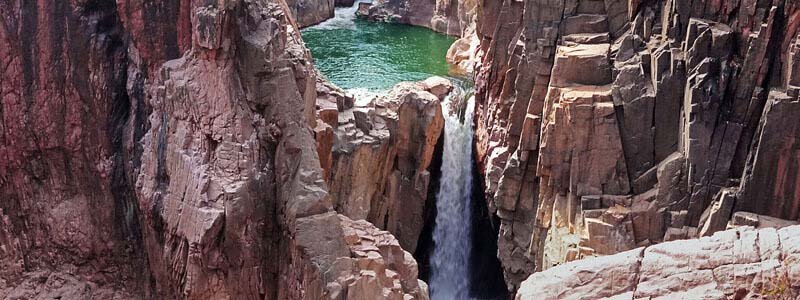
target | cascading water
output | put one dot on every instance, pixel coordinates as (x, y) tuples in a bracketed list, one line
[(452, 232), (368, 58), (342, 18)]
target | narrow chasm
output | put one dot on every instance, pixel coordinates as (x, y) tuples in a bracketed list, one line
[(456, 248), (484, 278), (487, 277), (425, 244)]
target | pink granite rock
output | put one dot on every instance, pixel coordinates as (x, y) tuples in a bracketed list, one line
[(744, 263)]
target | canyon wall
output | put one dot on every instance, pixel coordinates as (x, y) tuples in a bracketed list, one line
[(603, 126), (190, 150), (62, 84), (165, 150)]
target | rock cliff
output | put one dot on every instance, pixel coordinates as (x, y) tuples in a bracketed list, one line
[(603, 126), (165, 150), (189, 149), (379, 153)]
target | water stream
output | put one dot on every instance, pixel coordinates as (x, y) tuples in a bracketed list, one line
[(366, 58), (452, 232)]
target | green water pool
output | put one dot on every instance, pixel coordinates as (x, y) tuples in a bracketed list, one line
[(354, 53)]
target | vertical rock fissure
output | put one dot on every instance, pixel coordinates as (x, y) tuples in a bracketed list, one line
[(425, 241), (486, 278)]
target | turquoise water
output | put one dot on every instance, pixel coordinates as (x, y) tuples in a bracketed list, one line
[(356, 53)]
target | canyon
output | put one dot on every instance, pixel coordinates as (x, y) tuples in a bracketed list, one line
[(642, 149)]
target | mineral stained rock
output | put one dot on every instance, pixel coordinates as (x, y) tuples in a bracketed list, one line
[(165, 150), (187, 149)]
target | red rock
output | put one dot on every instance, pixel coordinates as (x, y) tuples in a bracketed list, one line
[(382, 155)]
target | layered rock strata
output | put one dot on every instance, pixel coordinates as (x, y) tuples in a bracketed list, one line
[(165, 150), (744, 263), (380, 150)]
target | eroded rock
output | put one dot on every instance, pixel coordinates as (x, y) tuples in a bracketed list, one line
[(746, 262), (381, 154)]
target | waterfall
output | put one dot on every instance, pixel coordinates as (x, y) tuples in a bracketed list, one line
[(452, 230), (342, 18)]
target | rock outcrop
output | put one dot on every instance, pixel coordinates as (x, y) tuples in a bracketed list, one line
[(312, 12), (451, 17), (353, 260), (744, 263), (380, 152), (165, 150), (603, 126)]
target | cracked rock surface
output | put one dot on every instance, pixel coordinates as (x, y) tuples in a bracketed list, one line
[(743, 263), (165, 150)]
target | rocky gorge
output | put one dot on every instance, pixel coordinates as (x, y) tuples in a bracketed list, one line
[(642, 149)]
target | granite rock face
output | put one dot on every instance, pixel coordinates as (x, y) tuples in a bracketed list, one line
[(602, 126), (743, 263), (381, 151), (165, 150)]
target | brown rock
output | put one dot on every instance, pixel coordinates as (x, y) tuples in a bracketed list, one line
[(382, 154), (688, 83), (165, 150), (771, 185), (572, 62), (311, 12), (450, 17), (569, 281), (358, 260), (438, 86), (742, 218)]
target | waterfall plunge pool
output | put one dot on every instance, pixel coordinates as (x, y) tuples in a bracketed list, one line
[(359, 54)]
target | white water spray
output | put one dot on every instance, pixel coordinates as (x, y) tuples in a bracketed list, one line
[(452, 231), (342, 18)]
